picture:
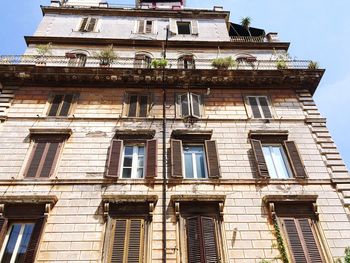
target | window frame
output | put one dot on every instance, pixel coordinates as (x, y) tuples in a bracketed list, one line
[(184, 60), (144, 29), (79, 59), (146, 62), (50, 100), (284, 157), (138, 105), (194, 164), (189, 23), (85, 29), (261, 112), (190, 106), (134, 162)]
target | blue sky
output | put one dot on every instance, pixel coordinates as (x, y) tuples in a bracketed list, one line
[(317, 29)]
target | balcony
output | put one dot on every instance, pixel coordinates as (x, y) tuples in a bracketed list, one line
[(129, 62), (258, 39)]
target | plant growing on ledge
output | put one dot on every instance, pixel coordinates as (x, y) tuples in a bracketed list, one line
[(107, 56), (313, 65), (159, 63), (43, 51), (245, 22), (223, 63)]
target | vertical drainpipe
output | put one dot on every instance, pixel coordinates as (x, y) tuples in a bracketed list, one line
[(164, 203)]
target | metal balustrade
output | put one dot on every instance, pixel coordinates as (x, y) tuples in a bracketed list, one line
[(129, 62), (248, 39)]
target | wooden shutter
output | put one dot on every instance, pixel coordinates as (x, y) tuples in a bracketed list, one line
[(172, 26), (176, 158), (55, 104), (149, 27), (132, 106), (194, 252), (209, 240), (141, 26), (195, 105), (151, 154), (83, 24), (38, 151), (67, 102), (50, 158), (265, 107), (309, 240), (185, 105), (115, 153), (119, 241), (143, 112), (3, 229), (91, 25), (212, 159), (135, 241), (295, 243), (254, 106), (259, 158), (295, 159), (194, 24), (34, 240)]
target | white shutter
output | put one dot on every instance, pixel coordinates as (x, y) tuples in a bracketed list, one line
[(141, 26), (155, 28), (172, 26), (136, 27), (194, 24)]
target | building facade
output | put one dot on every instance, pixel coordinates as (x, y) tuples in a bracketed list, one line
[(160, 133)]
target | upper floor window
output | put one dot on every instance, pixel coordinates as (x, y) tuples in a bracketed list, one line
[(186, 62), (60, 105), (76, 59), (277, 162), (142, 61), (88, 24), (146, 27), (194, 162), (133, 161), (190, 105), (180, 27), (138, 105), (259, 107), (183, 28)]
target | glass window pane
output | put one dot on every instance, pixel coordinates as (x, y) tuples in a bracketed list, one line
[(200, 165), (128, 150), (126, 173), (281, 168), (184, 105), (127, 161), (269, 162), (141, 150), (24, 242), (140, 173), (188, 165), (10, 246)]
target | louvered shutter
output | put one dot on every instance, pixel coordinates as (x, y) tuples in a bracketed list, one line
[(151, 165), (259, 158), (133, 106), (67, 102), (194, 251), (143, 106), (172, 26), (91, 25), (149, 27), (141, 26), (34, 240), (155, 27), (194, 24), (184, 104), (265, 107), (212, 159), (55, 104), (83, 24), (3, 229), (209, 240), (254, 106), (115, 154), (295, 159), (50, 158), (176, 158), (295, 242), (310, 241), (135, 241), (195, 105), (119, 241), (38, 151)]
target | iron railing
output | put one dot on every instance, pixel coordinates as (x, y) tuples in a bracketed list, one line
[(248, 39), (129, 62)]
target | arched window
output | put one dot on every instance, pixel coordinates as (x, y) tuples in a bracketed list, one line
[(142, 61), (76, 59), (186, 62)]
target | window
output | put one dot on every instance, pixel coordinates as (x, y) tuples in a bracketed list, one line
[(190, 105), (142, 61), (138, 105), (60, 105), (186, 62), (184, 28), (76, 59), (259, 107), (136, 160), (88, 24), (178, 27), (279, 159), (133, 161), (145, 27), (194, 161), (44, 156)]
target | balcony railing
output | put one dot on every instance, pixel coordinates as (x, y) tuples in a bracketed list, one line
[(248, 39), (128, 62)]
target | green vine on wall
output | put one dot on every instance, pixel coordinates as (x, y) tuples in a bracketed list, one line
[(280, 243)]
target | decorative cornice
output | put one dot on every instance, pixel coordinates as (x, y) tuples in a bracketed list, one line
[(53, 131)]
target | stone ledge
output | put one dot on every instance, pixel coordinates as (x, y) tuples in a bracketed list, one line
[(198, 198), (289, 198), (129, 198), (35, 199), (59, 131)]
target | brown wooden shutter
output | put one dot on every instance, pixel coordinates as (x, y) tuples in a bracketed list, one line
[(92, 23), (38, 151), (67, 102), (115, 153), (259, 158), (55, 104), (209, 240), (149, 26), (143, 106), (212, 159), (195, 105), (119, 241), (83, 24), (254, 106), (132, 106), (295, 159), (151, 154), (3, 229), (135, 241), (141, 28), (295, 243), (50, 158), (309, 240), (194, 251), (265, 107), (184, 103), (176, 158), (34, 240)]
